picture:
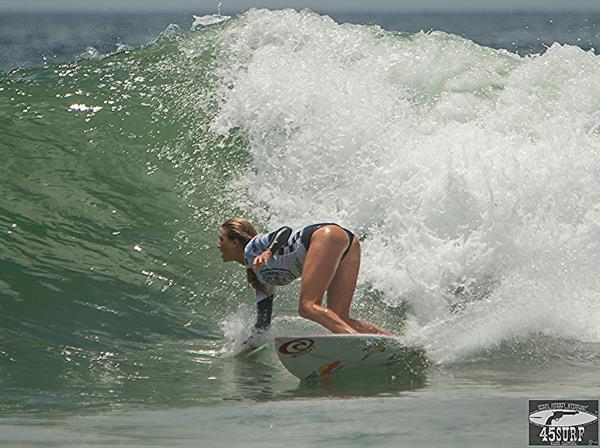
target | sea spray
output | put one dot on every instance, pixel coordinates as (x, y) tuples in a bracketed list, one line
[(470, 173)]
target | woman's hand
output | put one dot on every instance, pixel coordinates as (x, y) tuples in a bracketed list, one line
[(261, 260)]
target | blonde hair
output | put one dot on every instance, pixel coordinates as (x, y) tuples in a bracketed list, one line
[(239, 229), (243, 230)]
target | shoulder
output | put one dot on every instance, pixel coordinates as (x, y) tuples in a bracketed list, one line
[(255, 247)]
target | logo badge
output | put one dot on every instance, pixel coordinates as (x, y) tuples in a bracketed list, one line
[(371, 349), (296, 346), (567, 422), (326, 369)]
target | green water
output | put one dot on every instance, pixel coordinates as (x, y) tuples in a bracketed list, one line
[(476, 207)]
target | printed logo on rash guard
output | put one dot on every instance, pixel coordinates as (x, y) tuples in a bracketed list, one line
[(277, 277)]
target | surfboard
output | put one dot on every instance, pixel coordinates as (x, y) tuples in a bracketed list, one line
[(310, 357)]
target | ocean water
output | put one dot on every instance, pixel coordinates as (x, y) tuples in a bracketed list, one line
[(36, 39), (467, 162)]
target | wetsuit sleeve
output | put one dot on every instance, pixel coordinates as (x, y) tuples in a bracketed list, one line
[(278, 238), (264, 310)]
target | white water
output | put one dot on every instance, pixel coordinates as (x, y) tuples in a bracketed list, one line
[(474, 173)]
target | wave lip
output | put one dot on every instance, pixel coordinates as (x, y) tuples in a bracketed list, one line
[(207, 20)]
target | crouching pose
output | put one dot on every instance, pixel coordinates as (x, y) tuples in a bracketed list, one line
[(325, 256)]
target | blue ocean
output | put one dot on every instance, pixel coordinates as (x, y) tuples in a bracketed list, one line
[(462, 148)]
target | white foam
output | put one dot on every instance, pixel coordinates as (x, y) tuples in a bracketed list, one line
[(171, 30), (91, 53), (474, 173), (202, 21)]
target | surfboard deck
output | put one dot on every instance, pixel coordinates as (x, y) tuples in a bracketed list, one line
[(315, 356)]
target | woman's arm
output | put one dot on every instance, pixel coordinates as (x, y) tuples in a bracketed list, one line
[(277, 240), (264, 310)]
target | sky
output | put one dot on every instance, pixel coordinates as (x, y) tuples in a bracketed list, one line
[(235, 6)]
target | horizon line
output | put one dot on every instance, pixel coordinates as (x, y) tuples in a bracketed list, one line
[(330, 6)]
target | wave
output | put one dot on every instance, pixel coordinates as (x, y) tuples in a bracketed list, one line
[(470, 174)]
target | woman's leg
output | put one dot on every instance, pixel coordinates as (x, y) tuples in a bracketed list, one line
[(324, 270), (320, 265), (342, 287)]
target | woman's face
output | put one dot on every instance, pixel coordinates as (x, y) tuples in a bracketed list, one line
[(226, 246)]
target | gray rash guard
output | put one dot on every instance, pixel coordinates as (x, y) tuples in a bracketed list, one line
[(288, 251), (286, 262)]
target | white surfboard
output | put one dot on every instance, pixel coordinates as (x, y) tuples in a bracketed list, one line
[(308, 357)]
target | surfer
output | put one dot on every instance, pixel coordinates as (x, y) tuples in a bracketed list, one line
[(325, 256)]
